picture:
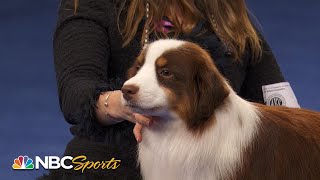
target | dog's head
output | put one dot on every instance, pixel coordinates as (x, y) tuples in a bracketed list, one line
[(175, 76)]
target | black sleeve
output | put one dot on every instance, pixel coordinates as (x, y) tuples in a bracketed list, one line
[(263, 72), (81, 55)]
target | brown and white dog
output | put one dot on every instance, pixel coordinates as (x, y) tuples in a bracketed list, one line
[(206, 131)]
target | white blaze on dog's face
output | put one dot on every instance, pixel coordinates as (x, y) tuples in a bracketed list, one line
[(149, 97), (175, 76)]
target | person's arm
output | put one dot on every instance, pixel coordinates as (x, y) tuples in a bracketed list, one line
[(264, 82), (81, 54)]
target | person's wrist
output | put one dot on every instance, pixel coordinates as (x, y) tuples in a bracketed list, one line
[(109, 119)]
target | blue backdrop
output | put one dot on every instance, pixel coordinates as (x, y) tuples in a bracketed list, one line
[(31, 121)]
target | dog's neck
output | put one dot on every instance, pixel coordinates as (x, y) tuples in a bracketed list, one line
[(236, 124)]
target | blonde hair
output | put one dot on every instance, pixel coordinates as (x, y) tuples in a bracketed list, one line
[(229, 19)]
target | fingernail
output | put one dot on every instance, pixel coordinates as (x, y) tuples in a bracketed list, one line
[(138, 140)]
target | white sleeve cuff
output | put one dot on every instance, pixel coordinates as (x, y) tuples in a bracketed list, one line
[(279, 94)]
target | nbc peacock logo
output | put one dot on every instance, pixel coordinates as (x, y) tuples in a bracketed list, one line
[(23, 163)]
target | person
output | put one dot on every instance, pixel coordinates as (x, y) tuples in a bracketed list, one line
[(96, 41)]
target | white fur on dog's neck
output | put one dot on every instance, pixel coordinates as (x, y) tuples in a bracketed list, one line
[(169, 151)]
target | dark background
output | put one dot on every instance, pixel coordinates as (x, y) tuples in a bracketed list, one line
[(31, 121)]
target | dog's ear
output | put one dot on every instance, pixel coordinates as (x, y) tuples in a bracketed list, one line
[(132, 71), (209, 93)]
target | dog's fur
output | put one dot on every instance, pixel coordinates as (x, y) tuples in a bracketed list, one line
[(206, 131)]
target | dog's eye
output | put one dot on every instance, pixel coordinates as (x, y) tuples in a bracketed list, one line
[(165, 72), (138, 66)]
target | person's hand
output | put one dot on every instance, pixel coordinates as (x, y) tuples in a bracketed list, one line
[(137, 132), (115, 111)]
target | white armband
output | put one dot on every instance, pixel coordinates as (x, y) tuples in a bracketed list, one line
[(279, 94)]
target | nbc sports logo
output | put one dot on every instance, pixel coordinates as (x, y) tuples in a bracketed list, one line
[(23, 162), (78, 163)]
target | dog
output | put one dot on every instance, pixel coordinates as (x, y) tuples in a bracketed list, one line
[(205, 131)]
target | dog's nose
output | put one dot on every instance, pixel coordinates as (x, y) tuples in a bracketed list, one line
[(129, 91)]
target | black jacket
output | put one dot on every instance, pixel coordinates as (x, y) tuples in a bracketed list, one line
[(89, 59)]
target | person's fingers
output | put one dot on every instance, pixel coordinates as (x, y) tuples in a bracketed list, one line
[(137, 132), (143, 120), (127, 110), (130, 117)]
